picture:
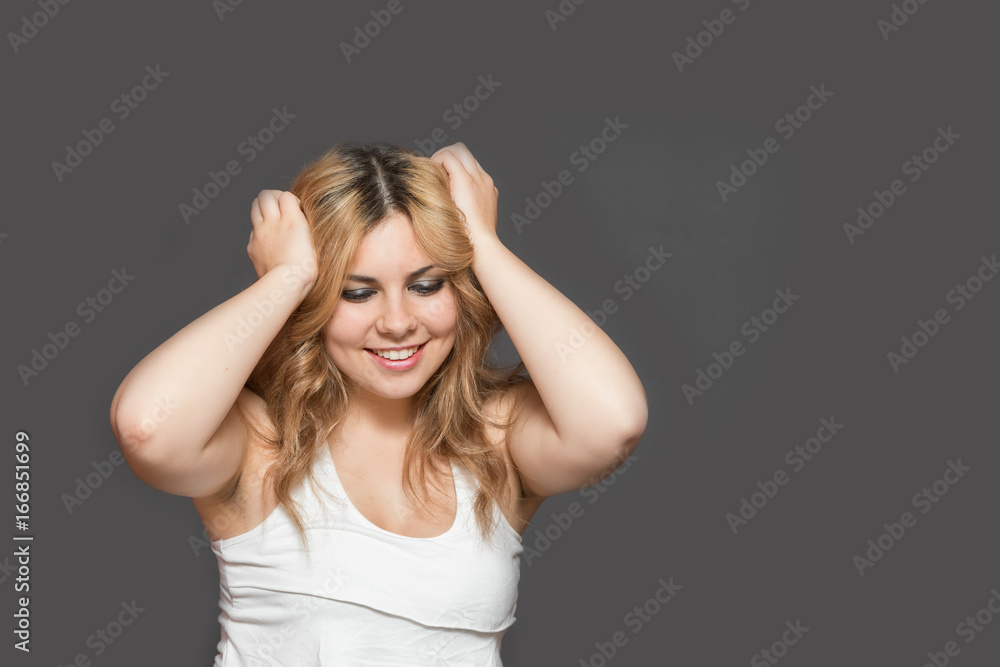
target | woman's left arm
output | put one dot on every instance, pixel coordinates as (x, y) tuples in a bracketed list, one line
[(585, 409)]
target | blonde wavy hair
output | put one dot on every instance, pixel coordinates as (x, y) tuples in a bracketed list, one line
[(346, 193)]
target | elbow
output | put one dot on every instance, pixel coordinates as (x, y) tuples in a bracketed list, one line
[(631, 432), (632, 419), (625, 416), (632, 424), (132, 434), (619, 435), (149, 462), (635, 425)]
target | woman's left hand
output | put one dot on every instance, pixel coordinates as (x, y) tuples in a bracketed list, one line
[(472, 189)]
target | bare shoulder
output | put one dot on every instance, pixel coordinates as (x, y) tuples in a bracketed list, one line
[(244, 502)]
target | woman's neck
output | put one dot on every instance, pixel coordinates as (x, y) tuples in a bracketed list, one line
[(376, 419)]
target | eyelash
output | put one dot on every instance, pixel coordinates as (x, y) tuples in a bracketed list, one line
[(424, 289)]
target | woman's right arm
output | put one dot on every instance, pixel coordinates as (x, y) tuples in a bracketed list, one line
[(174, 415)]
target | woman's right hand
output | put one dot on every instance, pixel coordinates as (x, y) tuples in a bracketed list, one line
[(176, 415), (281, 236)]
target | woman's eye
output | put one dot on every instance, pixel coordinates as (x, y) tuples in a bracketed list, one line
[(422, 288), (357, 295), (428, 287)]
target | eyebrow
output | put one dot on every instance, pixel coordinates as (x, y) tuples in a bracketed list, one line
[(370, 280)]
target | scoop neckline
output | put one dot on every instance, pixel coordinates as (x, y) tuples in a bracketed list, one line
[(328, 454)]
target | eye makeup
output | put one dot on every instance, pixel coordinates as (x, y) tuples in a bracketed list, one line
[(423, 288)]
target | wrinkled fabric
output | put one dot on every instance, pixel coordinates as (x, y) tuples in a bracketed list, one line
[(364, 596)]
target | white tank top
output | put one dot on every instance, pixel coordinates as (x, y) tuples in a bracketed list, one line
[(364, 596)]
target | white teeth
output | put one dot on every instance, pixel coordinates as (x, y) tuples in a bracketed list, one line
[(396, 355)]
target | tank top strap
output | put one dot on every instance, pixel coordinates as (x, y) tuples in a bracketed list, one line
[(365, 586), (465, 486)]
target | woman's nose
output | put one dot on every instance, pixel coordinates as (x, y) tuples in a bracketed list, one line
[(397, 316)]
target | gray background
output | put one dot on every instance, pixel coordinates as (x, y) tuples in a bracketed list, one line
[(665, 515)]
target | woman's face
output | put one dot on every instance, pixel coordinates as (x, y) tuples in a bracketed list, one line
[(393, 298)]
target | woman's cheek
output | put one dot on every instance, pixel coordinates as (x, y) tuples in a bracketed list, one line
[(443, 313), (348, 325)]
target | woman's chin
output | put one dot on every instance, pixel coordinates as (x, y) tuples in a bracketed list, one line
[(389, 391)]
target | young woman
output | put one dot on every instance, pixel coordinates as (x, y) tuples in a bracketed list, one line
[(364, 471)]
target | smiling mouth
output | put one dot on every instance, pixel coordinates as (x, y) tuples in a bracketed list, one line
[(398, 354)]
